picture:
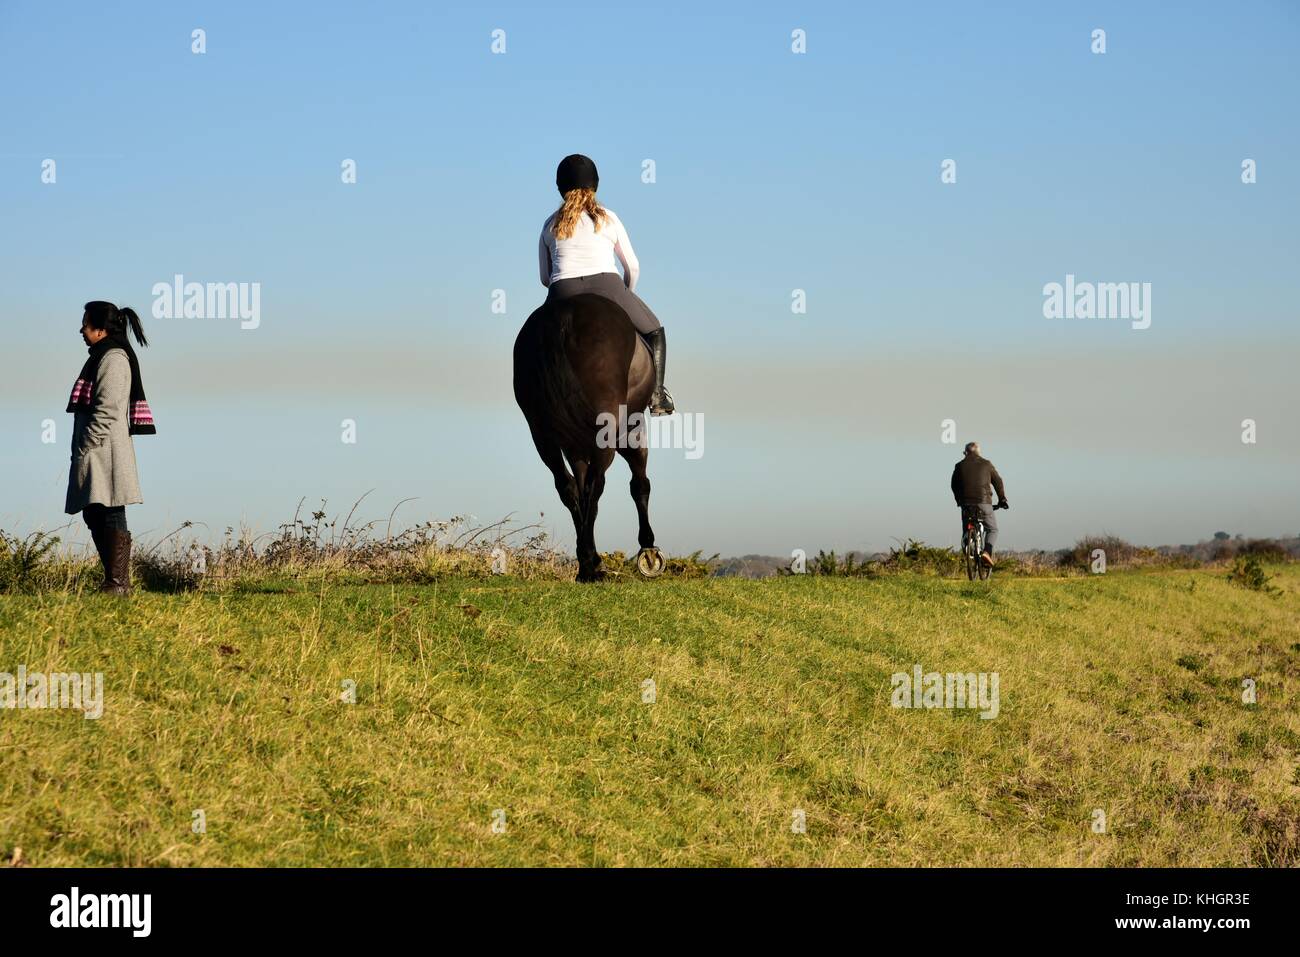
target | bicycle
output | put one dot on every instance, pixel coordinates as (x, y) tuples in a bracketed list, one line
[(972, 542)]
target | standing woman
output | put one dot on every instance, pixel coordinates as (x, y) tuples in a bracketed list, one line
[(576, 253), (109, 407)]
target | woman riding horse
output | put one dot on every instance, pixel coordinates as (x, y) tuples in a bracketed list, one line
[(576, 254)]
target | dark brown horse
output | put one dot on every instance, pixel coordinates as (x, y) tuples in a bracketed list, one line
[(580, 366)]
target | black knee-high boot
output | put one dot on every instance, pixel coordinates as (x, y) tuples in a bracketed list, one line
[(661, 402), (101, 547), (98, 537)]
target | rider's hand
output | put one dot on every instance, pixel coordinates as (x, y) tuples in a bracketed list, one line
[(1002, 504)]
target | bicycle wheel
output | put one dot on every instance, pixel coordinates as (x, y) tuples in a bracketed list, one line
[(984, 570), (971, 551)]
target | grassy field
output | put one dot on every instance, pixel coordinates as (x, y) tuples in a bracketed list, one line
[(1120, 692)]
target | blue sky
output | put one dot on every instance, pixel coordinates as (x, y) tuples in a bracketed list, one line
[(775, 172)]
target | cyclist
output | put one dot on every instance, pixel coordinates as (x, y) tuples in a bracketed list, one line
[(971, 478)]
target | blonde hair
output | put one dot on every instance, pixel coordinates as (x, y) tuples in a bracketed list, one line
[(576, 202)]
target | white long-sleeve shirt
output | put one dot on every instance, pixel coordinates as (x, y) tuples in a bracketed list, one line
[(587, 251)]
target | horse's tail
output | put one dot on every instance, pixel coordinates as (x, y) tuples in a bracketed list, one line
[(572, 416)]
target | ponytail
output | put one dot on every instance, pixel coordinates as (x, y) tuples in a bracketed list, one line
[(576, 202), (128, 317), (105, 315)]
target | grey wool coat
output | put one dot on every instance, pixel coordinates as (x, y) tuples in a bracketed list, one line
[(103, 457)]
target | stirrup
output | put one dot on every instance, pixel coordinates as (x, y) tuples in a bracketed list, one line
[(664, 405)]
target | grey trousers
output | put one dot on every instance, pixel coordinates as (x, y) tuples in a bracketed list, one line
[(611, 286), (986, 514)]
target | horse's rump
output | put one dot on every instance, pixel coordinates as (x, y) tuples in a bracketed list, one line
[(571, 364)]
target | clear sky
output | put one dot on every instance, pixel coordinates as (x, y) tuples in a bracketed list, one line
[(775, 171)]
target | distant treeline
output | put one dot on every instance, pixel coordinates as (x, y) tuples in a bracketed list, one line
[(315, 546), (917, 556)]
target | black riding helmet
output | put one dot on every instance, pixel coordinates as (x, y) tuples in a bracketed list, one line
[(576, 172)]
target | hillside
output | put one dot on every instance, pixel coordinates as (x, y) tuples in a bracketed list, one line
[(1120, 692)]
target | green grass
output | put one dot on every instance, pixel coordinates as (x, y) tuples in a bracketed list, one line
[(1120, 692)]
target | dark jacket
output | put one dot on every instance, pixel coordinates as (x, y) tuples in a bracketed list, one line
[(971, 478)]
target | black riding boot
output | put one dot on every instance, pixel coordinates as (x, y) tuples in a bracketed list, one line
[(661, 402), (101, 547)]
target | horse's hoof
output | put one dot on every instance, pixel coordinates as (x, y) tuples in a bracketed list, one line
[(650, 562)]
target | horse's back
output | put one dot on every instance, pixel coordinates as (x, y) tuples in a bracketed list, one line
[(571, 362), (593, 333)]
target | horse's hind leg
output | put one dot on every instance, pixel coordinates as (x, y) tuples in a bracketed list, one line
[(591, 484), (637, 460), (565, 484)]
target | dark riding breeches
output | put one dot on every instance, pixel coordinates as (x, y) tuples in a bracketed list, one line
[(610, 285)]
